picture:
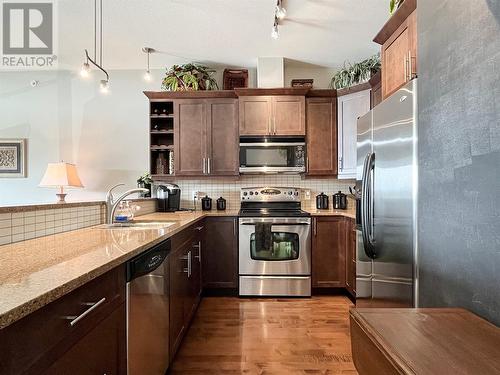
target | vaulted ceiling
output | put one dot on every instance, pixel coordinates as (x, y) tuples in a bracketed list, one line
[(225, 32)]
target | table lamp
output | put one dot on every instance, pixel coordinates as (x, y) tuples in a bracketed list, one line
[(61, 175)]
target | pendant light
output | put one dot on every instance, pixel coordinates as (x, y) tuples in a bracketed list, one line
[(279, 14), (275, 32), (85, 71), (147, 75)]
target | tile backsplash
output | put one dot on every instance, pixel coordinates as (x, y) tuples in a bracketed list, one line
[(230, 188), (24, 223)]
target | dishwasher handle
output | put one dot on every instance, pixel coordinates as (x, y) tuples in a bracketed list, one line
[(148, 261)]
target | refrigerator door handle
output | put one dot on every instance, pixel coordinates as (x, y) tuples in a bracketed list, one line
[(366, 206)]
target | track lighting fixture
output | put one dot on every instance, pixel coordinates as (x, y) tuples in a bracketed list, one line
[(280, 10), (279, 14), (274, 32), (85, 71), (147, 76)]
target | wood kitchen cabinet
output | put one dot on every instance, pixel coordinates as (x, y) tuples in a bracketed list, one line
[(329, 252), (321, 136), (398, 39), (350, 265), (220, 253), (52, 341), (206, 137), (350, 108), (185, 283), (281, 115)]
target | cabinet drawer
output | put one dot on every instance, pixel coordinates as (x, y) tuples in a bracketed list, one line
[(33, 343), (191, 233)]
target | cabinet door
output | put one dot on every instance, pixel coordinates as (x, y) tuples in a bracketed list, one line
[(220, 253), (190, 137), (399, 57), (101, 351), (255, 115), (289, 115), (178, 286), (321, 137), (223, 150), (350, 108), (328, 252)]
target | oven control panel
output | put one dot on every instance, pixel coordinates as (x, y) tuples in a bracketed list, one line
[(270, 194)]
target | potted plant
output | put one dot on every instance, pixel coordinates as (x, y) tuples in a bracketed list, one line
[(354, 74), (394, 4), (189, 77), (145, 182)]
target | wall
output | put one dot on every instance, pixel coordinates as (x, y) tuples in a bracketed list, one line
[(459, 155), (67, 118)]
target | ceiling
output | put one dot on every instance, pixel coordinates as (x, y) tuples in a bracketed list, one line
[(220, 32)]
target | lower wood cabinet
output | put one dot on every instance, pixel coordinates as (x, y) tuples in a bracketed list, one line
[(329, 252), (83, 332), (185, 282), (220, 253)]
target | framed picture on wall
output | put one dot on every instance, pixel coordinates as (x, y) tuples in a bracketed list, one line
[(12, 157)]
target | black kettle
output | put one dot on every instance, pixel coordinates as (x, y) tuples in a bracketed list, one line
[(322, 201), (339, 201), (206, 203), (221, 204)]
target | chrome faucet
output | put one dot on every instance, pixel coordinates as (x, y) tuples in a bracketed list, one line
[(111, 204)]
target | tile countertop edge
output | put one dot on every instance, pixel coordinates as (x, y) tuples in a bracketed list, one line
[(188, 218)]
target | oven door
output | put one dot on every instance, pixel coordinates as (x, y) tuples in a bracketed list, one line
[(275, 246), (257, 156)]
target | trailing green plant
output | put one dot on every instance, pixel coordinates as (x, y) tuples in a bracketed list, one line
[(189, 77), (145, 179), (360, 72), (394, 4)]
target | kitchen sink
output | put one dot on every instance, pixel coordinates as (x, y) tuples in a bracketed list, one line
[(133, 225)]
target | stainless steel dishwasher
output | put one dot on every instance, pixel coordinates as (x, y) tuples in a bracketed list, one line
[(148, 311)]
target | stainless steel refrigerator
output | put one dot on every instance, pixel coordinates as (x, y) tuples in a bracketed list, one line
[(387, 172)]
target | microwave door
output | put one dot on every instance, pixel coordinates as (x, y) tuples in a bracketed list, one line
[(272, 157)]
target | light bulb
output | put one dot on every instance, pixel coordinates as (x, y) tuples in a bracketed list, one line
[(85, 72), (104, 86), (280, 12), (275, 33), (147, 76)]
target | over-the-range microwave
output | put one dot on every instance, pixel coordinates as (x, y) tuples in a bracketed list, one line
[(272, 155)]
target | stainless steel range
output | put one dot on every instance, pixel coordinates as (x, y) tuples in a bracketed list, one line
[(274, 243)]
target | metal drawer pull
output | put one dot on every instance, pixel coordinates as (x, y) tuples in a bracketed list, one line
[(199, 228), (76, 319)]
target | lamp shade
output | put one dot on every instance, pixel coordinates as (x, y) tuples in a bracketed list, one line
[(61, 175)]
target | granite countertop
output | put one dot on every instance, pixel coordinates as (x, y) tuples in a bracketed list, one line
[(38, 271)]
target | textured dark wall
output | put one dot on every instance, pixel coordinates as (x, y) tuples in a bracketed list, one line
[(459, 154)]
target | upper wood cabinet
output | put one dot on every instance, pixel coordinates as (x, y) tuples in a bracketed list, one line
[(398, 38), (350, 108), (329, 252), (321, 123), (190, 132), (206, 137), (272, 115)]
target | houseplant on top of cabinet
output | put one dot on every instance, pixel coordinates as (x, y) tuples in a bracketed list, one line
[(189, 77), (356, 73)]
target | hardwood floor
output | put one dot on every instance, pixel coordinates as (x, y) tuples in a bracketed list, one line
[(268, 336)]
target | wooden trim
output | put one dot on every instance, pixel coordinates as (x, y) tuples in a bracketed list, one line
[(353, 89), (168, 95), (376, 78), (393, 23), (299, 91), (322, 93)]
